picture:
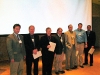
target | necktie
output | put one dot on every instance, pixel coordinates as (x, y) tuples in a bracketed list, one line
[(88, 33), (20, 43), (18, 37)]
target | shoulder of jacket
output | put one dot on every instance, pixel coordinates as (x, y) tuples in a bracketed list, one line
[(20, 35), (10, 35), (43, 36), (26, 35), (93, 31)]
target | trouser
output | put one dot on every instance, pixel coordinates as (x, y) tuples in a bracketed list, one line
[(16, 68), (47, 63), (80, 49), (86, 56), (58, 62), (29, 66), (70, 57)]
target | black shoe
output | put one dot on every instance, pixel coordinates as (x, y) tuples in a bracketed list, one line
[(75, 66), (91, 64), (82, 66), (67, 69), (85, 63), (61, 72), (56, 72)]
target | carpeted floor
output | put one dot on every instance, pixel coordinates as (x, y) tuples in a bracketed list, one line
[(2, 70), (87, 70)]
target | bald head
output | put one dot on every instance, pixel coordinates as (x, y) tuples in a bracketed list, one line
[(70, 27), (31, 29)]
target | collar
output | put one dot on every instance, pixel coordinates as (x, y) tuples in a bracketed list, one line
[(59, 35), (88, 30), (15, 34), (31, 34), (48, 36), (71, 31), (79, 29)]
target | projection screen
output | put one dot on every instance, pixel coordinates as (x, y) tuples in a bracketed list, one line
[(43, 14)]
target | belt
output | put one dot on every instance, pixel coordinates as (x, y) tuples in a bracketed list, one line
[(80, 42)]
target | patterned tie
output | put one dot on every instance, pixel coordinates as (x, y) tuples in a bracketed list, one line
[(19, 40), (18, 37)]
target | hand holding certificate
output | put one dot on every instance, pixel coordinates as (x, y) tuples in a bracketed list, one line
[(37, 55), (53, 45), (91, 50)]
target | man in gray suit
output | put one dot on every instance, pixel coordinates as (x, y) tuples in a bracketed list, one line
[(16, 51)]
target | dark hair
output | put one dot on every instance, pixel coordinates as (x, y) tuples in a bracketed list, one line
[(48, 28), (15, 25), (89, 25), (59, 29), (79, 24)]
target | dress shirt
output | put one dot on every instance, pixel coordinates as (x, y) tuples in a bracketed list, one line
[(32, 37), (60, 36), (81, 36), (88, 32), (17, 36)]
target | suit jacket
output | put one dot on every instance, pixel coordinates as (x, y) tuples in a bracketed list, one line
[(91, 38), (44, 42), (30, 46), (60, 46), (68, 38), (16, 51)]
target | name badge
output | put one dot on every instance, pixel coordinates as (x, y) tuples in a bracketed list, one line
[(20, 41), (79, 34), (61, 40), (32, 40)]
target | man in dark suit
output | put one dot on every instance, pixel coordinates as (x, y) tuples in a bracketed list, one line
[(47, 56), (16, 51), (91, 38), (31, 41), (59, 51)]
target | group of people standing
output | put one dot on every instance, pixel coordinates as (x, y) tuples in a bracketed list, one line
[(72, 43)]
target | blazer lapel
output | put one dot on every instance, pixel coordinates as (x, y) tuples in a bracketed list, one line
[(29, 38), (15, 37), (59, 38)]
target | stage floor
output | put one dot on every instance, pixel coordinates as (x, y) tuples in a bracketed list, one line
[(87, 70)]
